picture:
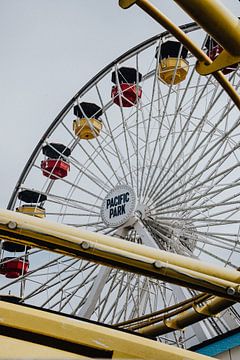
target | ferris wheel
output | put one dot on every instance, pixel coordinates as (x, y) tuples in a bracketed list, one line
[(147, 151)]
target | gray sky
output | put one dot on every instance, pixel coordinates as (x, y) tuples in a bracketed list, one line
[(49, 50)]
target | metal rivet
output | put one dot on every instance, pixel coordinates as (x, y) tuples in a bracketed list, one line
[(157, 264), (85, 245), (231, 291), (12, 225)]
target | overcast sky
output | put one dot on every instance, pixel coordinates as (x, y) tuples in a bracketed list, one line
[(49, 50)]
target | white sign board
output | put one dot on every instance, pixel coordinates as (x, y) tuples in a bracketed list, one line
[(118, 206)]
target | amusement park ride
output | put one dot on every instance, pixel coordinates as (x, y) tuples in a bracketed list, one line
[(164, 177)]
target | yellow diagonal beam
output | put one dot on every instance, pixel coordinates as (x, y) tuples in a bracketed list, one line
[(217, 21), (119, 253), (183, 318)]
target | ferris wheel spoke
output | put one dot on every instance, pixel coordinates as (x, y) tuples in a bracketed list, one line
[(191, 173), (233, 148), (171, 243), (172, 124), (227, 212), (100, 151), (125, 300), (116, 148), (226, 171), (205, 207), (209, 195), (124, 124), (212, 238), (71, 184), (61, 289), (157, 182), (213, 182), (91, 156), (89, 174), (72, 293), (56, 199), (72, 203), (106, 312), (154, 82), (123, 314), (137, 129), (130, 297), (63, 295), (202, 170), (191, 155), (86, 224), (121, 290), (102, 303), (212, 255), (97, 153), (212, 241), (23, 277), (48, 284)]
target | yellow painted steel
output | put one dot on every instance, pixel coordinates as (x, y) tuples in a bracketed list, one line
[(217, 21), (187, 42), (222, 61), (125, 255), (154, 317), (32, 333), (125, 4), (222, 25), (177, 316), (186, 317), (12, 348)]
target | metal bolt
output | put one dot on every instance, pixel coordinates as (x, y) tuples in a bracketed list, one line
[(12, 225), (231, 291), (85, 245), (157, 264)]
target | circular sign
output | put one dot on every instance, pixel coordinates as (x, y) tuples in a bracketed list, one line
[(118, 206)]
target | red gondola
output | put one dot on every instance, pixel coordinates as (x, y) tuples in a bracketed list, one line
[(12, 268), (55, 166), (126, 92), (54, 169)]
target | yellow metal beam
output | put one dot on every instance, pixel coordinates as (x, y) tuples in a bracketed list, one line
[(28, 333), (177, 316), (125, 255), (205, 62), (221, 25), (217, 21), (186, 317)]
